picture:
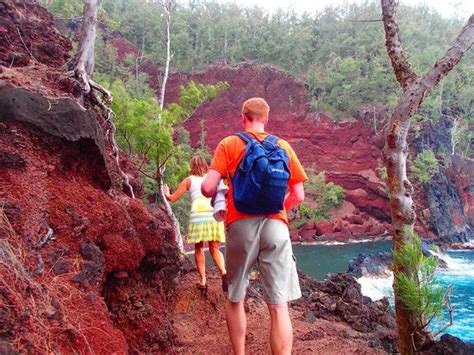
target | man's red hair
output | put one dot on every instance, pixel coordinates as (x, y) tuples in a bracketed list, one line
[(256, 108)]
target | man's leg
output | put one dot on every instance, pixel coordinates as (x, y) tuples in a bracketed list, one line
[(236, 325), (281, 332), (242, 245), (280, 282)]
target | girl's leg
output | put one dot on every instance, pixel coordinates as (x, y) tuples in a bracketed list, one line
[(217, 256), (200, 259)]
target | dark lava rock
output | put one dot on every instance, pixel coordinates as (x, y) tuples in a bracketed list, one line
[(339, 298), (61, 267), (65, 119), (91, 270), (448, 345), (11, 161), (367, 265), (446, 210)]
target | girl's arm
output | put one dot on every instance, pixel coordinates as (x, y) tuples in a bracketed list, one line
[(182, 188)]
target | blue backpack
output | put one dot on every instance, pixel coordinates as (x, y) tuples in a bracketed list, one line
[(260, 181)]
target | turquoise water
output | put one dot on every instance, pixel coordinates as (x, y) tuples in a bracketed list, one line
[(319, 260)]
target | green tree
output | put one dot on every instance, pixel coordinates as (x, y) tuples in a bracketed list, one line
[(418, 289), (327, 196), (425, 165)]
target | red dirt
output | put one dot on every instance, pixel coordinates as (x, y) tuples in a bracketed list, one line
[(27, 34), (199, 323), (38, 188)]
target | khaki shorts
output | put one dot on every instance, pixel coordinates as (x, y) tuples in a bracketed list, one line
[(265, 243)]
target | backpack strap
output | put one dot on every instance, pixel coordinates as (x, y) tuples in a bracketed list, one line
[(271, 140), (247, 138)]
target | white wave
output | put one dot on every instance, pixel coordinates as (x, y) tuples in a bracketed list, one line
[(349, 242), (376, 288), (322, 243), (456, 266)]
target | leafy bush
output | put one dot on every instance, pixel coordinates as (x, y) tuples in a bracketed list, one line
[(327, 196), (426, 164)]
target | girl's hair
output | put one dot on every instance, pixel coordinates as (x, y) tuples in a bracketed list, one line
[(198, 166)]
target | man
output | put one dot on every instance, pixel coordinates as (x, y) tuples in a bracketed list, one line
[(261, 240)]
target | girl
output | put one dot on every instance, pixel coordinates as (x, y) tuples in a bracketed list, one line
[(202, 225)]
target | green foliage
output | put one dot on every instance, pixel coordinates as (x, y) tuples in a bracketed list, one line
[(327, 195), (154, 137), (426, 164), (341, 56), (417, 287), (64, 8)]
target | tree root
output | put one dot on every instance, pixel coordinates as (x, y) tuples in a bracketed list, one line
[(110, 133), (47, 237), (39, 265)]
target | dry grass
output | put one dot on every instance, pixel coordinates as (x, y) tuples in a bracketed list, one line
[(44, 314)]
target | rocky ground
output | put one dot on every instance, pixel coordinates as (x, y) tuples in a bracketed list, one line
[(332, 318)]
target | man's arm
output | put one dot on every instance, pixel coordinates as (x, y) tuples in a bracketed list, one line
[(295, 196), (210, 182)]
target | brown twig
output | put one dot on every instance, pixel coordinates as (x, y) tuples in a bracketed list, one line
[(24, 44)]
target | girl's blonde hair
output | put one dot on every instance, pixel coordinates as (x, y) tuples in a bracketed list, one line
[(198, 166)]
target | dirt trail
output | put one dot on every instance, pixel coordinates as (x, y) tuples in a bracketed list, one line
[(199, 323)]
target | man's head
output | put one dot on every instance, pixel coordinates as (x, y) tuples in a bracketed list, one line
[(255, 111)]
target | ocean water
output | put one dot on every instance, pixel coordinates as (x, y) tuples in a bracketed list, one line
[(319, 260)]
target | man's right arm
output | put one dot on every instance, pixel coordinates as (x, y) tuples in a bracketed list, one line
[(217, 169), (210, 182)]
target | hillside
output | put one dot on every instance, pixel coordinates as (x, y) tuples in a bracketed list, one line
[(85, 268), (349, 151)]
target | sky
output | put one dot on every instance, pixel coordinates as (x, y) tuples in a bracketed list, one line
[(448, 8)]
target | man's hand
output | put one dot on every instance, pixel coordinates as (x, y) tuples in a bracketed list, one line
[(295, 196), (210, 182)]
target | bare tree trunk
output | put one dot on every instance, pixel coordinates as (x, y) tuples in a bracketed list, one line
[(83, 68), (169, 211), (168, 7), (400, 190), (84, 60)]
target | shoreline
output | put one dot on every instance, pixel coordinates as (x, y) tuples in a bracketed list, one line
[(348, 242)]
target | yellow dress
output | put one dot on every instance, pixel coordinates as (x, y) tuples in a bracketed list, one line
[(202, 225)]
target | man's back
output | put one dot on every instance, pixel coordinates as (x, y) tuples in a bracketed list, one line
[(227, 157)]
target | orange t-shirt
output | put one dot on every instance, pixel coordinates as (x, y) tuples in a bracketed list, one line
[(227, 157)]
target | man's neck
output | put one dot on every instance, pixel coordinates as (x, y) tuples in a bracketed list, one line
[(256, 127)]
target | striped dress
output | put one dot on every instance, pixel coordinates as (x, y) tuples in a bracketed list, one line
[(202, 225)]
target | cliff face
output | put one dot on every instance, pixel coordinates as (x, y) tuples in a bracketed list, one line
[(81, 270), (349, 151), (450, 194)]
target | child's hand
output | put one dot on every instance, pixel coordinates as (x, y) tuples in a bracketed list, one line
[(220, 215), (166, 190)]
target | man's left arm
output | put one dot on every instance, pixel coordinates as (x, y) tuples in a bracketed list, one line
[(295, 196)]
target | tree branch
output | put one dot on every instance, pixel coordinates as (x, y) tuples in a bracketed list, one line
[(453, 55), (393, 42), (147, 175)]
